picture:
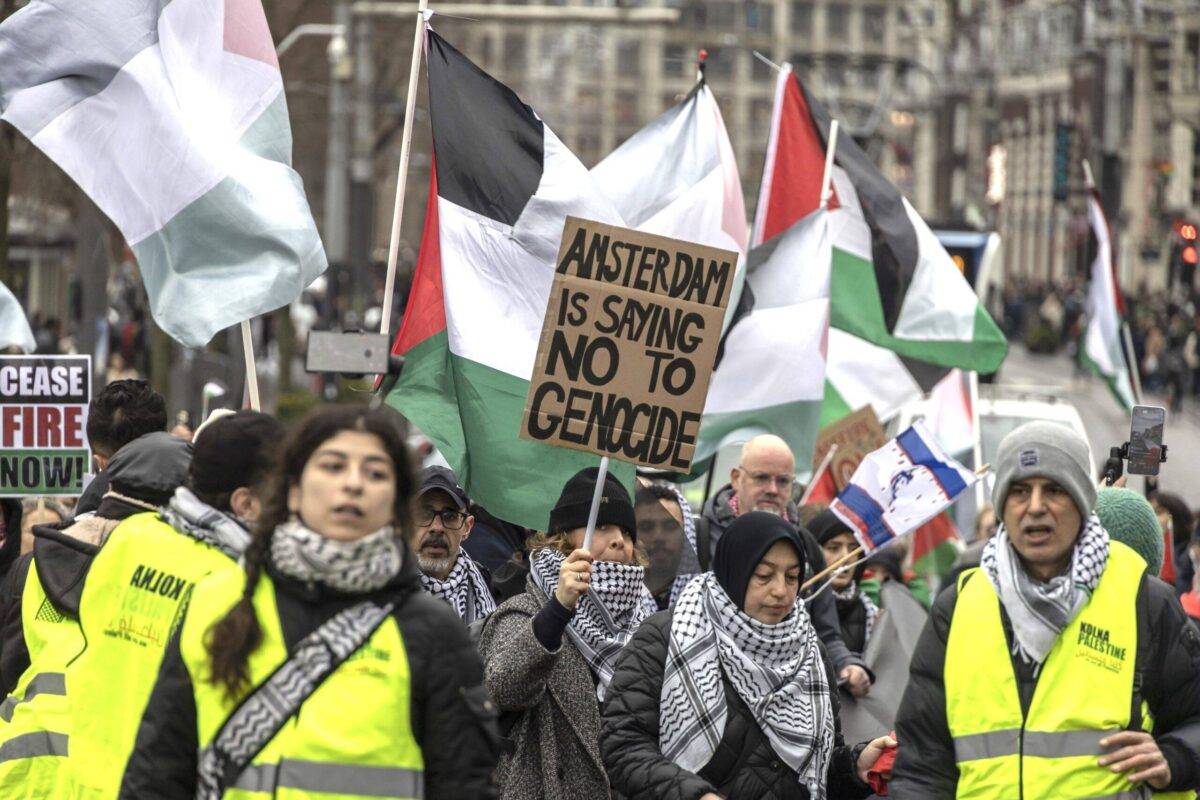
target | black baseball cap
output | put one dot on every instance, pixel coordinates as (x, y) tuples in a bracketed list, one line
[(445, 480)]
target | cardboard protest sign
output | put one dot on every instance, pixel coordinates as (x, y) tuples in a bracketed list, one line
[(856, 436), (628, 344), (43, 424)]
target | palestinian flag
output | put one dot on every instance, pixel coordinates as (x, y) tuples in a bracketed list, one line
[(1102, 351), (935, 546), (859, 373), (172, 118), (892, 282), (500, 191)]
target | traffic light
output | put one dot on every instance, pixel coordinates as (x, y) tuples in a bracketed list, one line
[(1187, 250)]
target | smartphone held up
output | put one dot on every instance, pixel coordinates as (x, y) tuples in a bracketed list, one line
[(1146, 449)]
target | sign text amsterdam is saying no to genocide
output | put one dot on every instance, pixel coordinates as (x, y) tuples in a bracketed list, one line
[(43, 421), (628, 344)]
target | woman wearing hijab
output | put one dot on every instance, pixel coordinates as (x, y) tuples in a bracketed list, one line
[(373, 687), (728, 694), (548, 653)]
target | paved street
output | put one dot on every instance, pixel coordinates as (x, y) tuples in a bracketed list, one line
[(1107, 425)]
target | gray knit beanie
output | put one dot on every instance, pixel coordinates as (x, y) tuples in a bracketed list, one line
[(1045, 450)]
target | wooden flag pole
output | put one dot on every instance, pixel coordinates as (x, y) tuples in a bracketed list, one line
[(824, 465), (827, 178), (389, 286), (595, 510), (836, 565), (251, 367)]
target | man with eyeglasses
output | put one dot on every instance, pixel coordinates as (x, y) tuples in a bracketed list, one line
[(441, 523), (763, 481)]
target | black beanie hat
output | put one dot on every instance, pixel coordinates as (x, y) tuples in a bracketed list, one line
[(234, 451), (826, 525), (743, 545), (150, 468), (571, 510)]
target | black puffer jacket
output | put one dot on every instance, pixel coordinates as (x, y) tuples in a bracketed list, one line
[(453, 720), (744, 764), (1167, 663), (718, 515)]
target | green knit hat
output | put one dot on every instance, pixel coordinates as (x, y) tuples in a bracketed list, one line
[(1131, 520)]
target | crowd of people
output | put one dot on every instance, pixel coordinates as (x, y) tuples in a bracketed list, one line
[(254, 610), (1164, 328)]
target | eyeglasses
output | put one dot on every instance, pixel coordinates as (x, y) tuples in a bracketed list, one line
[(451, 520), (765, 478)]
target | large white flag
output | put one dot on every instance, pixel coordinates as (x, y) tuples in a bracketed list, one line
[(14, 327), (172, 117)]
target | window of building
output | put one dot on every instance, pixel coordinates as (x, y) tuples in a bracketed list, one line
[(694, 15), (721, 62), (674, 62), (626, 108), (760, 16), (802, 18), (722, 16), (874, 24), (837, 22), (514, 52), (629, 57), (760, 114), (1195, 169), (1191, 61)]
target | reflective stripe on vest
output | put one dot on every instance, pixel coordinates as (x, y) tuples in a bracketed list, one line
[(1053, 750), (32, 745), (35, 719), (319, 776), (322, 750), (44, 683), (136, 591)]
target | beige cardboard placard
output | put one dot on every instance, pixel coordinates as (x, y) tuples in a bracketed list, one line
[(628, 344), (855, 435)]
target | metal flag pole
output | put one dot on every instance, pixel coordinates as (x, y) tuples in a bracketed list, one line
[(251, 367), (389, 286), (595, 510)]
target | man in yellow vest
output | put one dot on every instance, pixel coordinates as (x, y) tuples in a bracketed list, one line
[(1057, 669)]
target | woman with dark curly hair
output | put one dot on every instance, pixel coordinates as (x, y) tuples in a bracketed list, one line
[(322, 667)]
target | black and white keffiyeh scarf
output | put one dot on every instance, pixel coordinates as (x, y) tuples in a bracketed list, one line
[(605, 617), (776, 669), (465, 589), (363, 565), (852, 592), (1040, 611), (689, 562), (193, 517)]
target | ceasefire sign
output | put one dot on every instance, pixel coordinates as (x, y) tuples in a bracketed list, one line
[(43, 424)]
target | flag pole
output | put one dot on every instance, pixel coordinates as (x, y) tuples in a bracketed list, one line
[(251, 367), (1131, 364), (824, 465), (827, 178), (976, 438), (389, 286), (595, 510)]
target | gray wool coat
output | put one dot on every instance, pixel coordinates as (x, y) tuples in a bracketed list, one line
[(557, 736)]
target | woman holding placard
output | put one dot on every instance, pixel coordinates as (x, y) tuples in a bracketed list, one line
[(730, 694), (548, 653)]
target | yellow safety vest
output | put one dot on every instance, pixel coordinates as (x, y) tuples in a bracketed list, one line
[(352, 739), (133, 600), (1084, 693), (34, 719)]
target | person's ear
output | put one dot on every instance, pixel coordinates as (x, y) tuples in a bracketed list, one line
[(735, 475), (467, 525), (101, 462), (293, 499), (245, 504)]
